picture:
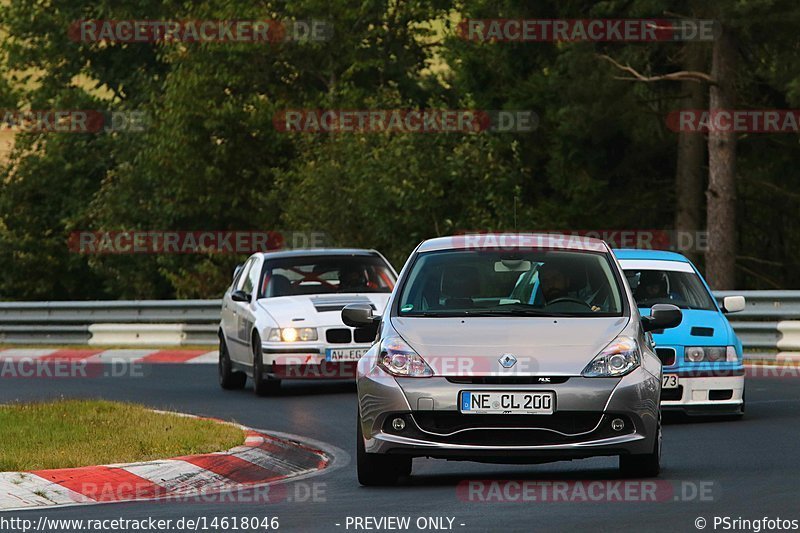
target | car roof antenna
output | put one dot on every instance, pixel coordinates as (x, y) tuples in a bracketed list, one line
[(515, 214)]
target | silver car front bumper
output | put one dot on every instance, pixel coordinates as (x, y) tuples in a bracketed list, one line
[(581, 426)]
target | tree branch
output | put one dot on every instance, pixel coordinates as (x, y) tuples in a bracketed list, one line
[(758, 275), (776, 188), (678, 15), (681, 75), (759, 260)]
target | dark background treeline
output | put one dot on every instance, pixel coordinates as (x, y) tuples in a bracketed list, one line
[(602, 156)]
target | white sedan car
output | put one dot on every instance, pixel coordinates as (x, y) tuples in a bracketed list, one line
[(281, 316)]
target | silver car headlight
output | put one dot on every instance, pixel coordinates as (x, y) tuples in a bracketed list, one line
[(399, 359), (620, 357), (709, 354), (292, 334)]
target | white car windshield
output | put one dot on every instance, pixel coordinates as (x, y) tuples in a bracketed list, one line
[(525, 283), (291, 276)]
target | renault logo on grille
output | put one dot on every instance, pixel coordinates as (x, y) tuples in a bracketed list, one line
[(507, 360)]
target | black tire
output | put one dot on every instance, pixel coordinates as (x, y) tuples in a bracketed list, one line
[(375, 470), (262, 386), (229, 379), (645, 464)]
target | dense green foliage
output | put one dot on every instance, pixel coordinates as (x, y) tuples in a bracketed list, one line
[(210, 157)]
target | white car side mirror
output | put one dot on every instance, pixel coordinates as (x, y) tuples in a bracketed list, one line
[(733, 304)]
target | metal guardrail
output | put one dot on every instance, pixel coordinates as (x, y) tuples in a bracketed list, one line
[(770, 321), (106, 311), (194, 321), (56, 334), (767, 322), (778, 305)]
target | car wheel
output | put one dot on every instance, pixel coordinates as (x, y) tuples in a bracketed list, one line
[(378, 469), (644, 464), (229, 379), (262, 386)]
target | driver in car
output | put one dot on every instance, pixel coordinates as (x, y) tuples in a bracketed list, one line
[(652, 286), (352, 279), (555, 284)]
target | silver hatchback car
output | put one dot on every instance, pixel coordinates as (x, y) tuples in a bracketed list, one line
[(510, 348)]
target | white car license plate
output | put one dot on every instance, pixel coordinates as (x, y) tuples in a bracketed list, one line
[(669, 381), (344, 354), (503, 403)]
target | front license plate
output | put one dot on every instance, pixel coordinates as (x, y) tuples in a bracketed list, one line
[(344, 354), (669, 381), (505, 403)]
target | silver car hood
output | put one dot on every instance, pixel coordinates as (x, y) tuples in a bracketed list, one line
[(541, 346)]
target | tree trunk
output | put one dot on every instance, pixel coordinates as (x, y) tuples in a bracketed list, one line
[(689, 175), (721, 193)]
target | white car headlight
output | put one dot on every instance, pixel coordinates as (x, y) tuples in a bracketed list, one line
[(617, 359), (399, 359), (292, 334), (709, 354)]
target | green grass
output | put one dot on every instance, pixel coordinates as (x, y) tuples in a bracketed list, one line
[(71, 433)]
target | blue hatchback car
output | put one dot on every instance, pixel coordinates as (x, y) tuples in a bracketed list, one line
[(702, 357)]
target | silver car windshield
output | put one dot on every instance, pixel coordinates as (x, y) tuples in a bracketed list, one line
[(513, 283)]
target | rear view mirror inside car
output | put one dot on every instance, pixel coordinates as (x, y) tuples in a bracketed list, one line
[(512, 265)]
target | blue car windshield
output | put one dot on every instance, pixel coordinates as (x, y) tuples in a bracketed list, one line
[(683, 289)]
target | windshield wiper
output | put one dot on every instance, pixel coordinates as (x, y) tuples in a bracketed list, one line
[(521, 309), (444, 314), (505, 310), (457, 314), (522, 312)]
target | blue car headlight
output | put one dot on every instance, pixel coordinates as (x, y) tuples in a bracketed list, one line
[(709, 354)]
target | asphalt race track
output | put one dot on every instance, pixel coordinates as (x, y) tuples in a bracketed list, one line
[(745, 469)]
